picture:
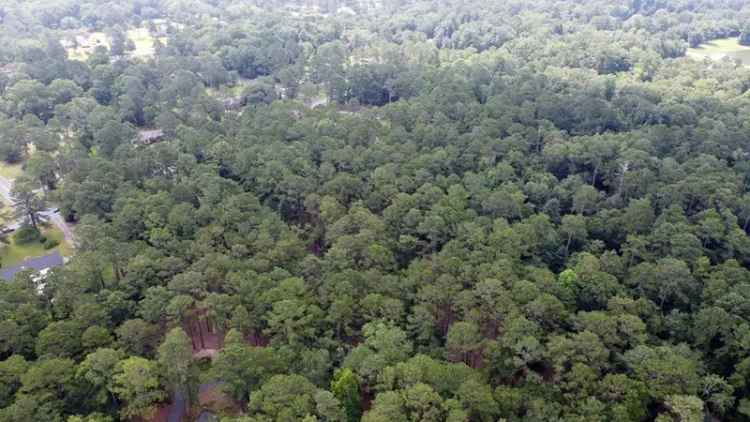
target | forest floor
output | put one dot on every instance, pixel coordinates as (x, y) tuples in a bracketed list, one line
[(212, 400)]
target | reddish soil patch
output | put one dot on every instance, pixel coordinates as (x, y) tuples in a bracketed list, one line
[(256, 339), (205, 354), (201, 331), (159, 416), (210, 397), (208, 340), (366, 397)]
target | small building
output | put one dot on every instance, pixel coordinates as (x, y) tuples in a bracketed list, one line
[(40, 266), (150, 136)]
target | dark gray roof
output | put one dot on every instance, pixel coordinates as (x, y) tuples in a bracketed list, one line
[(43, 262)]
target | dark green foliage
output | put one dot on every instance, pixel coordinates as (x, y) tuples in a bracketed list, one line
[(437, 211), (27, 234), (50, 243)]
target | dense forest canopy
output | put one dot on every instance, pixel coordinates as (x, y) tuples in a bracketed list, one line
[(379, 210)]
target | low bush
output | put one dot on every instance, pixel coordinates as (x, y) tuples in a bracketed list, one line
[(26, 235), (50, 243)]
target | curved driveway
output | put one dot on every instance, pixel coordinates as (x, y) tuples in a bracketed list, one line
[(51, 214)]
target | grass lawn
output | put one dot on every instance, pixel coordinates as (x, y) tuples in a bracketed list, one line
[(10, 171), (86, 44), (720, 48), (12, 254), (144, 42), (141, 37)]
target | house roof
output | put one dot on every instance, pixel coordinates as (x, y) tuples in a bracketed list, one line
[(37, 264), (233, 103), (150, 135)]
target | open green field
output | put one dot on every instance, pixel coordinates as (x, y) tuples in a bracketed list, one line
[(86, 44), (141, 37), (10, 171), (13, 254), (144, 42), (718, 49)]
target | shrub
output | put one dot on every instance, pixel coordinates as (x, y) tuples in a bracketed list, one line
[(50, 243), (27, 234)]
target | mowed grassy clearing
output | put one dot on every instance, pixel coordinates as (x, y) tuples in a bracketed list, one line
[(720, 48), (10, 171), (13, 254), (144, 42), (141, 37), (86, 47)]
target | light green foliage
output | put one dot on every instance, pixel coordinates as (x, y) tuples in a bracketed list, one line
[(345, 387), (98, 369), (683, 408), (568, 278), (175, 358), (284, 398), (243, 369), (384, 345), (136, 382), (667, 370)]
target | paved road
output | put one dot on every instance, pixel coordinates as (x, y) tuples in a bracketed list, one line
[(177, 408), (50, 214)]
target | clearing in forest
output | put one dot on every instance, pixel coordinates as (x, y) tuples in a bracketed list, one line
[(720, 48), (83, 44)]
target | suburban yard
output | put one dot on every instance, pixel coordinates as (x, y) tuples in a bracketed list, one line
[(144, 42), (13, 254), (721, 48), (86, 42)]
